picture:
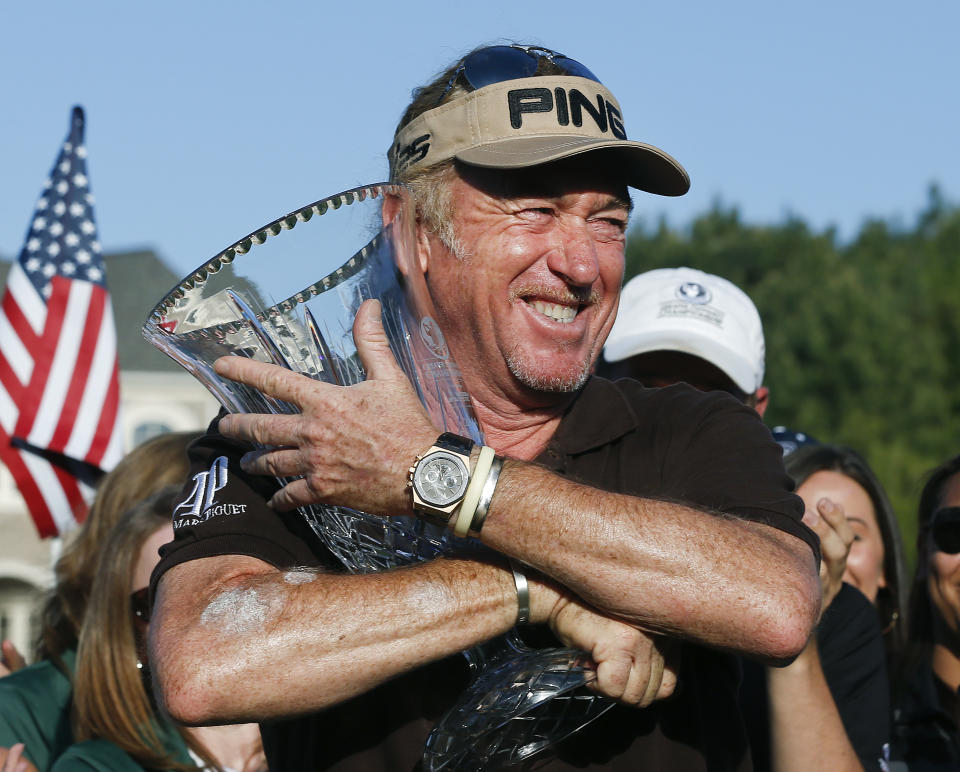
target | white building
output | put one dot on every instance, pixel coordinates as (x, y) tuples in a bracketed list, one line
[(156, 396)]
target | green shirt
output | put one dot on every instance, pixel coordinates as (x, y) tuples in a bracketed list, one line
[(104, 756), (35, 710)]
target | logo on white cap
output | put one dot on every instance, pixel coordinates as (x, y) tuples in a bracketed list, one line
[(693, 292)]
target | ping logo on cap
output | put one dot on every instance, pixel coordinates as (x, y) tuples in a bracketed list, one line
[(568, 107), (412, 152)]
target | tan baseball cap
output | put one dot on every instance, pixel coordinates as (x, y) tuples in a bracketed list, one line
[(531, 121)]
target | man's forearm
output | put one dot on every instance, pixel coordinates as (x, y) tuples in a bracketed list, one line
[(717, 580), (235, 640)]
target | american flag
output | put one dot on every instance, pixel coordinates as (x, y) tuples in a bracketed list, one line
[(59, 386)]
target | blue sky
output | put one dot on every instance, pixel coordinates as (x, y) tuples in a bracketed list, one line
[(206, 120)]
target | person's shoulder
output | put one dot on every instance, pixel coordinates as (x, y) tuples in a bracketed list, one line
[(99, 755), (681, 405), (679, 395), (37, 681)]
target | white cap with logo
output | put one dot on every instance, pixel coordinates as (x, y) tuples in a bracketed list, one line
[(686, 310)]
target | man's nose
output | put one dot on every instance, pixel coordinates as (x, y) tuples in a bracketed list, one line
[(575, 256)]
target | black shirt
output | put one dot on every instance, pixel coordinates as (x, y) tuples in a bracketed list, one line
[(850, 646), (674, 444)]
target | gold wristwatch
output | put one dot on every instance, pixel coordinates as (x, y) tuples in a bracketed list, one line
[(440, 476)]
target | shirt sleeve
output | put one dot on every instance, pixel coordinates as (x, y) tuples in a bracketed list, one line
[(223, 511), (723, 457)]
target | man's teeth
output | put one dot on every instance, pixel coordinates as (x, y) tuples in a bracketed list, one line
[(562, 314)]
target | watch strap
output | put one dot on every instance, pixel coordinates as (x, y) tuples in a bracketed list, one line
[(455, 443)]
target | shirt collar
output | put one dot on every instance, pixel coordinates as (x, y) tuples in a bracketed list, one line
[(598, 415)]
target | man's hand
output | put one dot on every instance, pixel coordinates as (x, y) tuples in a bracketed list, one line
[(351, 445), (11, 660), (830, 523), (11, 760), (632, 666)]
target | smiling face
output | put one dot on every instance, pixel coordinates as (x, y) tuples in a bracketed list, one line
[(865, 561), (527, 303), (943, 581)]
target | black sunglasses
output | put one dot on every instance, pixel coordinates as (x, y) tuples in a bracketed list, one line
[(945, 524), (496, 64), (140, 604)]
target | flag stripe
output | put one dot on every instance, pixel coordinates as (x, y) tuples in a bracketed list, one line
[(29, 485), (43, 358), (8, 411), (16, 355), (29, 302), (109, 416), (98, 406), (76, 510), (114, 450), (81, 383), (60, 348)]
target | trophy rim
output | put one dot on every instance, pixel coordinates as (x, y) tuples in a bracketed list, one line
[(258, 236)]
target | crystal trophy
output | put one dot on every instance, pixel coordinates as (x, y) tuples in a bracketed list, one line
[(287, 294)]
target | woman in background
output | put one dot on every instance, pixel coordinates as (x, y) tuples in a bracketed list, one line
[(841, 675), (876, 564), (927, 705), (115, 719), (35, 701)]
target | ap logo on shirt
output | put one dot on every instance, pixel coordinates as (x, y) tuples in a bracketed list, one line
[(202, 503)]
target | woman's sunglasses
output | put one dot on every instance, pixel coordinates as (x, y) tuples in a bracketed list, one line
[(496, 64), (945, 525)]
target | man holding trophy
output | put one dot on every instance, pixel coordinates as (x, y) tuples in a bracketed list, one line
[(654, 529)]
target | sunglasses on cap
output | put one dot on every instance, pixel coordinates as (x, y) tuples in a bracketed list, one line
[(496, 64), (140, 605), (945, 525)]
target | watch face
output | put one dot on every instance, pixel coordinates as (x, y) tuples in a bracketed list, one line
[(441, 478)]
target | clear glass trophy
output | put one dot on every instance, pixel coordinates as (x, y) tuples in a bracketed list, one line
[(288, 294)]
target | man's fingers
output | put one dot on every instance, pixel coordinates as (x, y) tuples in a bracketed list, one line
[(653, 680), (613, 678), (372, 345), (668, 684), (293, 495), (276, 462), (269, 430), (270, 379)]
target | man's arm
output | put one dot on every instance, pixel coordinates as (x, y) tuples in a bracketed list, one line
[(664, 567), (235, 639), (720, 581)]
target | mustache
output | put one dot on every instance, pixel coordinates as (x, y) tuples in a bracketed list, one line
[(565, 296)]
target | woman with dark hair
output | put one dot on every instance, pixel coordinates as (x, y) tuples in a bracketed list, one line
[(876, 564), (115, 719), (842, 673), (927, 706)]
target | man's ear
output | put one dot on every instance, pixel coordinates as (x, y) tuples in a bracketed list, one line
[(425, 245), (762, 397), (392, 206)]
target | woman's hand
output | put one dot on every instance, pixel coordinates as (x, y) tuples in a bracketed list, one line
[(830, 523), (11, 660), (11, 760)]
